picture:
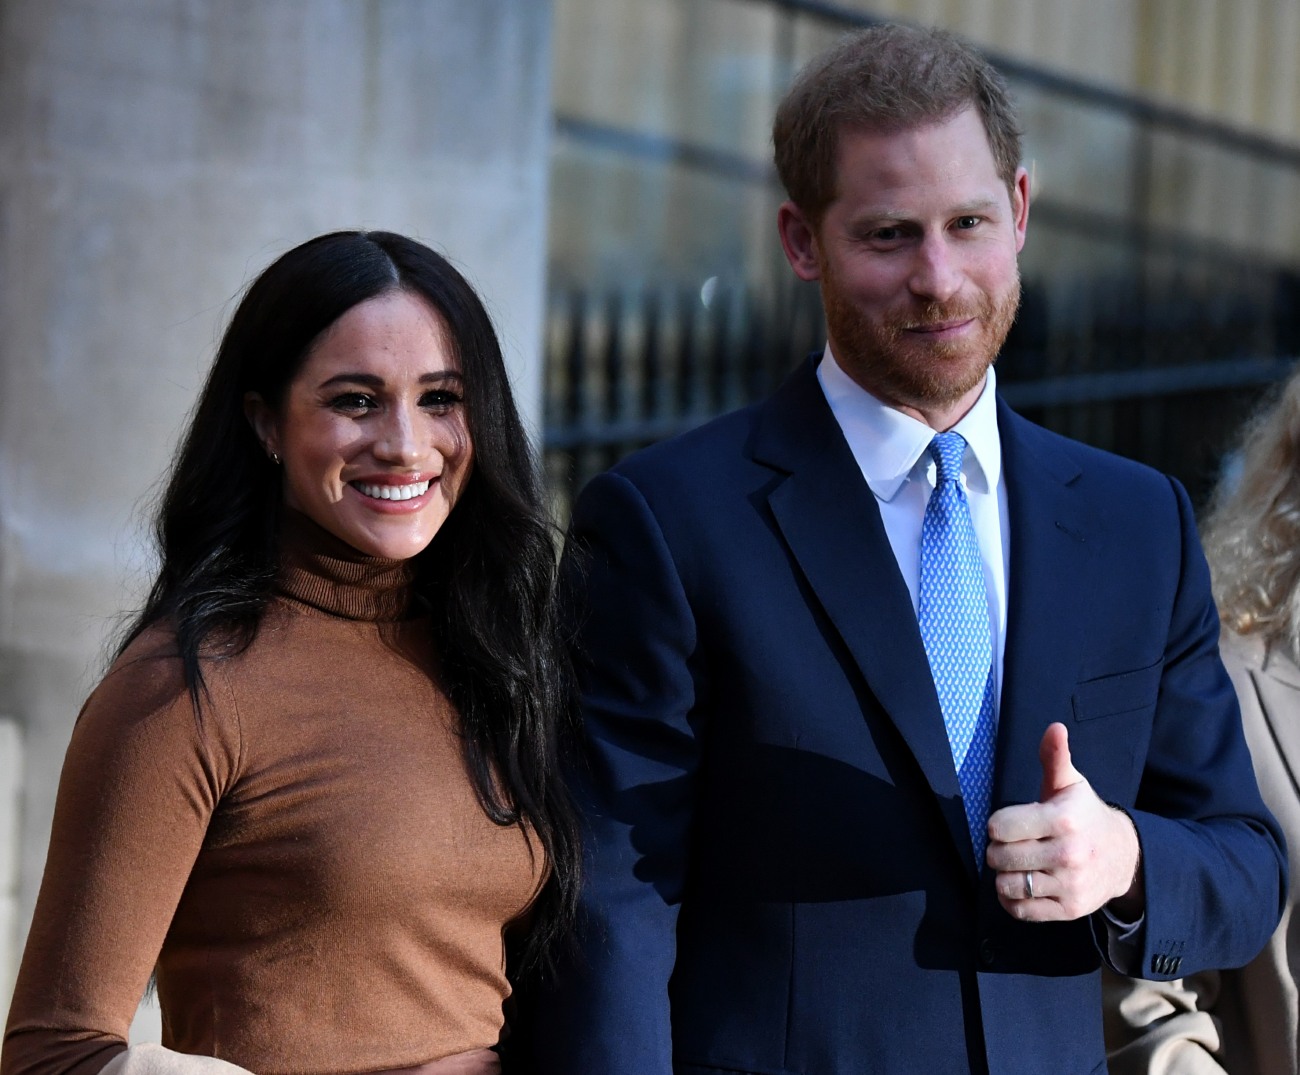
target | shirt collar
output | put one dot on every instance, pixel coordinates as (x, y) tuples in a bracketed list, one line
[(889, 446)]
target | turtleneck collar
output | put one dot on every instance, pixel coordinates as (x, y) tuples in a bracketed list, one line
[(319, 570)]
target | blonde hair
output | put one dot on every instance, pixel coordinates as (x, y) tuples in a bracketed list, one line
[(1252, 531)]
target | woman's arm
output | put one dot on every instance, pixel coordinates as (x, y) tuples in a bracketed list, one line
[(140, 780), (1162, 1028)]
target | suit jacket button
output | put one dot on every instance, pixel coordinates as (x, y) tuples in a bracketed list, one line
[(986, 952)]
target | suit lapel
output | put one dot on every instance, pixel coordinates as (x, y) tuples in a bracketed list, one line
[(831, 524), (1278, 685), (1048, 554)]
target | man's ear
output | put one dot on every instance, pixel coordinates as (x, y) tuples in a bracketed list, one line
[(799, 241), (262, 419), (1020, 206)]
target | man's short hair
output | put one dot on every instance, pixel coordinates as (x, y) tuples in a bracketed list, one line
[(886, 78)]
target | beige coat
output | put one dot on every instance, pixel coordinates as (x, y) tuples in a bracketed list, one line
[(1247, 1021)]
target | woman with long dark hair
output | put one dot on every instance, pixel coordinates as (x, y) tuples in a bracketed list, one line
[(318, 789)]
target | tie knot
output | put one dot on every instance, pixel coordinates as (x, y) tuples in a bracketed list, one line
[(947, 450)]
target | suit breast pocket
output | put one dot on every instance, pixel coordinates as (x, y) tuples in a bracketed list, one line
[(1124, 692)]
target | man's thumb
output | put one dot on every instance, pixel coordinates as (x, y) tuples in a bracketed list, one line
[(1054, 753)]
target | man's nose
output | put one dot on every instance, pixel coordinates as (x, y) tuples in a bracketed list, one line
[(935, 275)]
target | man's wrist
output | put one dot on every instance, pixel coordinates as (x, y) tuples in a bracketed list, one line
[(1130, 904)]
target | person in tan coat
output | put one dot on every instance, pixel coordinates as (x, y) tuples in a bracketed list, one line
[(1247, 1021)]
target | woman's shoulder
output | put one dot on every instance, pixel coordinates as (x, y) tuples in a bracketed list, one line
[(1266, 678), (150, 662), (1254, 654), (1241, 652), (154, 655), (147, 682)]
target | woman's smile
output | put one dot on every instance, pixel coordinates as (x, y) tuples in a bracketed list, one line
[(391, 493)]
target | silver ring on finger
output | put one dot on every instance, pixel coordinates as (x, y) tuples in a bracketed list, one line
[(1029, 884)]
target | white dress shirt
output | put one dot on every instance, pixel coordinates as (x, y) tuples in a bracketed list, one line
[(890, 449)]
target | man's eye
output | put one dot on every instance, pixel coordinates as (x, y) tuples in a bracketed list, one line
[(352, 402), (887, 235), (967, 222)]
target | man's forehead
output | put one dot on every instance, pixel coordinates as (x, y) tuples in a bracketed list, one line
[(951, 151), (882, 127), (901, 210)]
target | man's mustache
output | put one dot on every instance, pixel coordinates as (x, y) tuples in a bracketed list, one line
[(940, 313)]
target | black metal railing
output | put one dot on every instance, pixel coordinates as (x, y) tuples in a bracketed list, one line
[(626, 368)]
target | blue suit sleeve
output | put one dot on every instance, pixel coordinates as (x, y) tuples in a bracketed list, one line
[(608, 1009), (1213, 857)]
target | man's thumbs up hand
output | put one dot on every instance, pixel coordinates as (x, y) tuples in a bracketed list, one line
[(1066, 855)]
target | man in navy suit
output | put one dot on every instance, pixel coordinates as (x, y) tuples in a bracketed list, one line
[(793, 870)]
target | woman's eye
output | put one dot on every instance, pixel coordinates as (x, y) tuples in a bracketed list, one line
[(439, 399), (352, 402)]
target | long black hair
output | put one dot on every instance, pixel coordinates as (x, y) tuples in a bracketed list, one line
[(490, 583)]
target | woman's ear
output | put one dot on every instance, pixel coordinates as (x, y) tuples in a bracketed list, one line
[(262, 419)]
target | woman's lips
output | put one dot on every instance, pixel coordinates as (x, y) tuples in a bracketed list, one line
[(394, 496)]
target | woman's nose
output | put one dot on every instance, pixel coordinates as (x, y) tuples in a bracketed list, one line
[(396, 440)]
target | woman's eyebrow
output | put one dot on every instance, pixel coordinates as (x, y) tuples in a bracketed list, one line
[(370, 380), (373, 380)]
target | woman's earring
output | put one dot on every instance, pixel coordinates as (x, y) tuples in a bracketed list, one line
[(274, 458)]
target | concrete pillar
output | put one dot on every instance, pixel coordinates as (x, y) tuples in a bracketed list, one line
[(11, 758), (154, 155)]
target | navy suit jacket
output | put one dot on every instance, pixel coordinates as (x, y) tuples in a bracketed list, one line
[(781, 878)]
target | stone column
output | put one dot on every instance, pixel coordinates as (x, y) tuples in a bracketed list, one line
[(156, 154), (11, 758)]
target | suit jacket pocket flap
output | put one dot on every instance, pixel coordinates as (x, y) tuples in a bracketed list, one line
[(1126, 692)]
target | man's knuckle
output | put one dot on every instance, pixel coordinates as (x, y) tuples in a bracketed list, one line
[(1071, 856), (1067, 824)]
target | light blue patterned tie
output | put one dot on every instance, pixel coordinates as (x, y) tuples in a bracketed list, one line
[(953, 613)]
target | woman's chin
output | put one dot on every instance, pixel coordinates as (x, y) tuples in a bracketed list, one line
[(390, 537)]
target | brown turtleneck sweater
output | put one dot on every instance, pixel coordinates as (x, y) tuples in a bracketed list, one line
[(306, 863)]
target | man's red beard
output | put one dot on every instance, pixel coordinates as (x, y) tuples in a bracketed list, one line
[(902, 366)]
